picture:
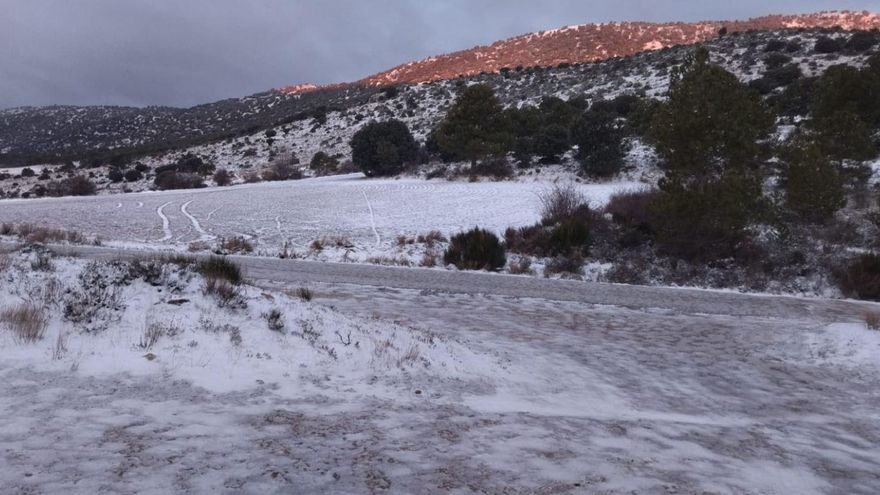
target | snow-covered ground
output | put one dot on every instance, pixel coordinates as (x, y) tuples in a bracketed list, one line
[(366, 217), (500, 395)]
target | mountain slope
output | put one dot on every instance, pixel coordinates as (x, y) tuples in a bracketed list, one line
[(595, 42)]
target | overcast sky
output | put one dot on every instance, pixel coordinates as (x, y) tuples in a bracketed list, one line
[(186, 52)]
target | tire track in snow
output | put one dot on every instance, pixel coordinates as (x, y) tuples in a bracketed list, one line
[(195, 223), (372, 219), (166, 224)]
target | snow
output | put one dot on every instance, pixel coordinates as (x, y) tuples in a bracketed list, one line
[(369, 214), (847, 344), (524, 395)]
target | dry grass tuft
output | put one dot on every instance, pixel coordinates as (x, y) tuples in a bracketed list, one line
[(872, 321), (35, 234), (27, 322)]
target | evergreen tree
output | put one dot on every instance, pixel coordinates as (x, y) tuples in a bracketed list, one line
[(475, 127), (813, 185), (599, 137), (709, 132), (383, 148)]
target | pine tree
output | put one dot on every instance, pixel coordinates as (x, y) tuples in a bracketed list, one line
[(813, 185), (475, 127)]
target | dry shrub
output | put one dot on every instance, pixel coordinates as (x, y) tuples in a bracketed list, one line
[(872, 321), (275, 320), (5, 262), (389, 261), (35, 234), (27, 322), (220, 268), (304, 293), (431, 238), (571, 264), (561, 202), (521, 266), (224, 292), (331, 241), (429, 259), (237, 244), (252, 178), (631, 208), (197, 246)]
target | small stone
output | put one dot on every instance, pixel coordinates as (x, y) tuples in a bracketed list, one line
[(150, 356)]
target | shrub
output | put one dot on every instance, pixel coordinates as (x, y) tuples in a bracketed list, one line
[(475, 126), (115, 175), (631, 207), (561, 202), (813, 186), (776, 78), (224, 292), (175, 180), (599, 137), (133, 175), (237, 244), (846, 88), (552, 142), (706, 221), (571, 263), (220, 268), (861, 277), (78, 185), (142, 168), (304, 293), (323, 162), (861, 41), (571, 236), (383, 148), (828, 45), (28, 172), (26, 321), (775, 46), (222, 177), (497, 167), (872, 321), (275, 320), (776, 60), (282, 169), (476, 249), (843, 135)]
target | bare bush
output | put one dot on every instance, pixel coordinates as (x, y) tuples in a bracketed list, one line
[(237, 244), (304, 293), (26, 321), (275, 320), (224, 292), (5, 262), (521, 266), (561, 202), (35, 234), (150, 336), (431, 238), (872, 321)]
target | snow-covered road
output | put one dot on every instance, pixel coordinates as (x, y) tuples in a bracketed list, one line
[(571, 398)]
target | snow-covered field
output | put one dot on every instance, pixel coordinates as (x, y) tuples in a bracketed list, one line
[(370, 390), (368, 215)]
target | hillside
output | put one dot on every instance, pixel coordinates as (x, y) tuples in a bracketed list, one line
[(596, 42), (60, 133)]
